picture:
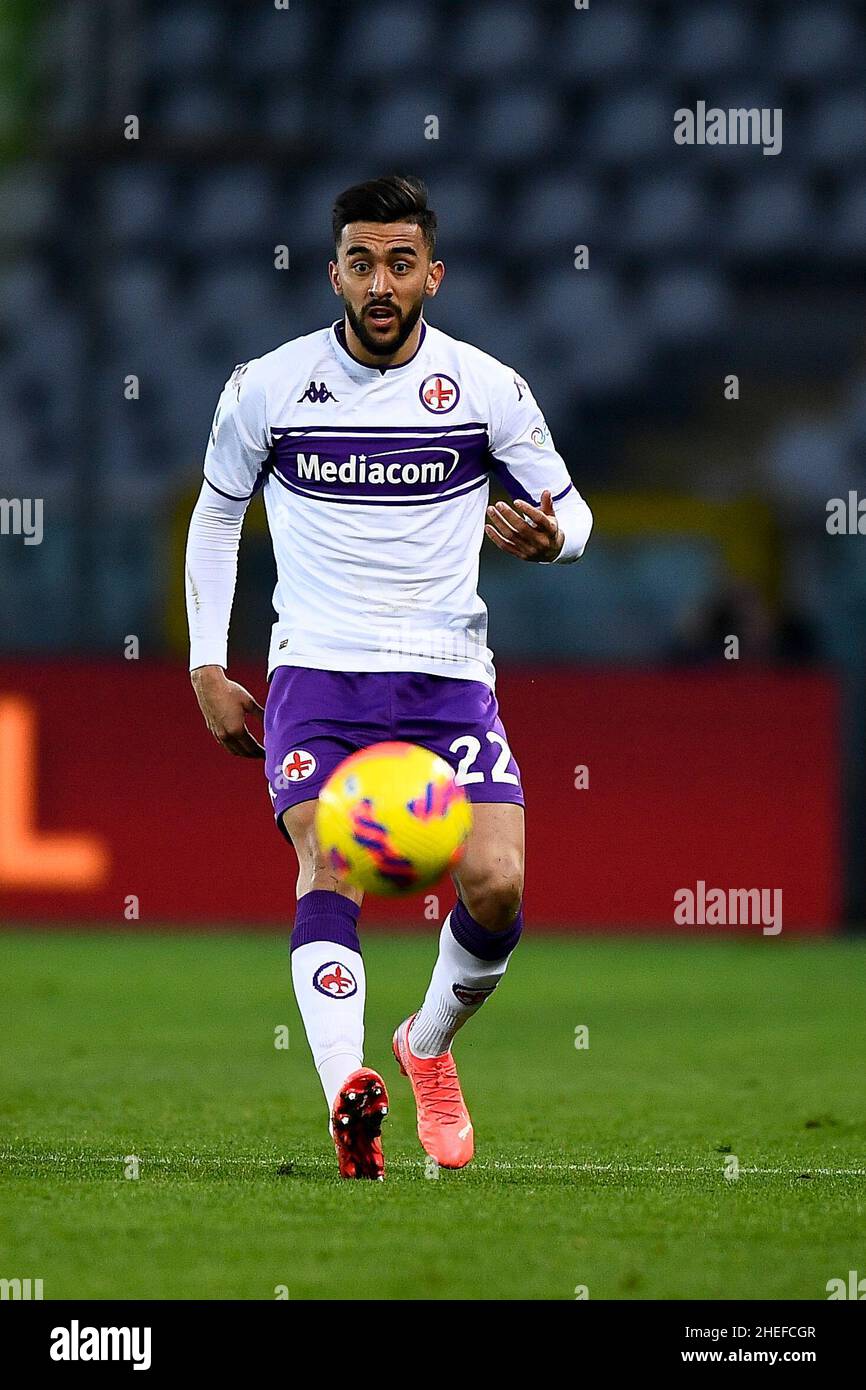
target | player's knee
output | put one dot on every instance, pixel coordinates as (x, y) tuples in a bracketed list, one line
[(494, 899), (314, 871), (299, 825)]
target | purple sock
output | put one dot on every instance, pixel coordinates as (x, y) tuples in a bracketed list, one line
[(486, 945), (325, 916)]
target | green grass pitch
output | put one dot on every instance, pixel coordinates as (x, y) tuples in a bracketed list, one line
[(600, 1167)]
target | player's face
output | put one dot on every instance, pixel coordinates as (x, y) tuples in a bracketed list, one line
[(383, 273)]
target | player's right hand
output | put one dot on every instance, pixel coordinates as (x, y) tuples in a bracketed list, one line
[(225, 705)]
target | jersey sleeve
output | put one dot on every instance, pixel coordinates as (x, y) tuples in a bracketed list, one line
[(239, 442), (210, 575), (527, 463)]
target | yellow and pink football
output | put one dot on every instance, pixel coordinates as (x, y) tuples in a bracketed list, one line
[(392, 819)]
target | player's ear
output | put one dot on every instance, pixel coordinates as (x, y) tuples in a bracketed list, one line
[(334, 277), (434, 277)]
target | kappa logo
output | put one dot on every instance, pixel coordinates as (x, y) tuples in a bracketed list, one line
[(317, 395), (335, 980), (471, 996), (298, 765), (439, 393)]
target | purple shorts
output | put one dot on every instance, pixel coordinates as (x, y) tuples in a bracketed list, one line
[(315, 719)]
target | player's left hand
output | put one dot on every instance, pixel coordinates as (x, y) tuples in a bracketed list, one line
[(530, 533)]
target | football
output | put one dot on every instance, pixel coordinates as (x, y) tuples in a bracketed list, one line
[(391, 819)]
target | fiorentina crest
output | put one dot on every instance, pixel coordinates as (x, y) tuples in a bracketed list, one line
[(336, 980)]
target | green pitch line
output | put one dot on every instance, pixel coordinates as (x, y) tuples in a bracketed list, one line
[(601, 1167)]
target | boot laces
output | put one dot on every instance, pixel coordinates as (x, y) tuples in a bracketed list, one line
[(440, 1089)]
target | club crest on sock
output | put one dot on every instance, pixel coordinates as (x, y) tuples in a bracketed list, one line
[(335, 980), (469, 996)]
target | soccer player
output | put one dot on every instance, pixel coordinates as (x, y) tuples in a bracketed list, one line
[(374, 441)]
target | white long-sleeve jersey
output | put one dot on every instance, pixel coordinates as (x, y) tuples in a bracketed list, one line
[(376, 485)]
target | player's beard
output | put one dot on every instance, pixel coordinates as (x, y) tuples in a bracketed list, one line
[(404, 328)]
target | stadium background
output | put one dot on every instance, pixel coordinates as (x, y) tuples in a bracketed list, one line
[(136, 1035), (154, 258)]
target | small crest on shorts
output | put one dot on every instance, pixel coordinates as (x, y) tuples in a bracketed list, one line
[(336, 980), (298, 765)]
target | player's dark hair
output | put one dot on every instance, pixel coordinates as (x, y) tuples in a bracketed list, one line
[(394, 198)]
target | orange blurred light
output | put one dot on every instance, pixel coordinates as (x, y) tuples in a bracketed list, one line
[(29, 859)]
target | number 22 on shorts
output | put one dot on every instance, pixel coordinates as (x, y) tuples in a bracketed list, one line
[(472, 747)]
